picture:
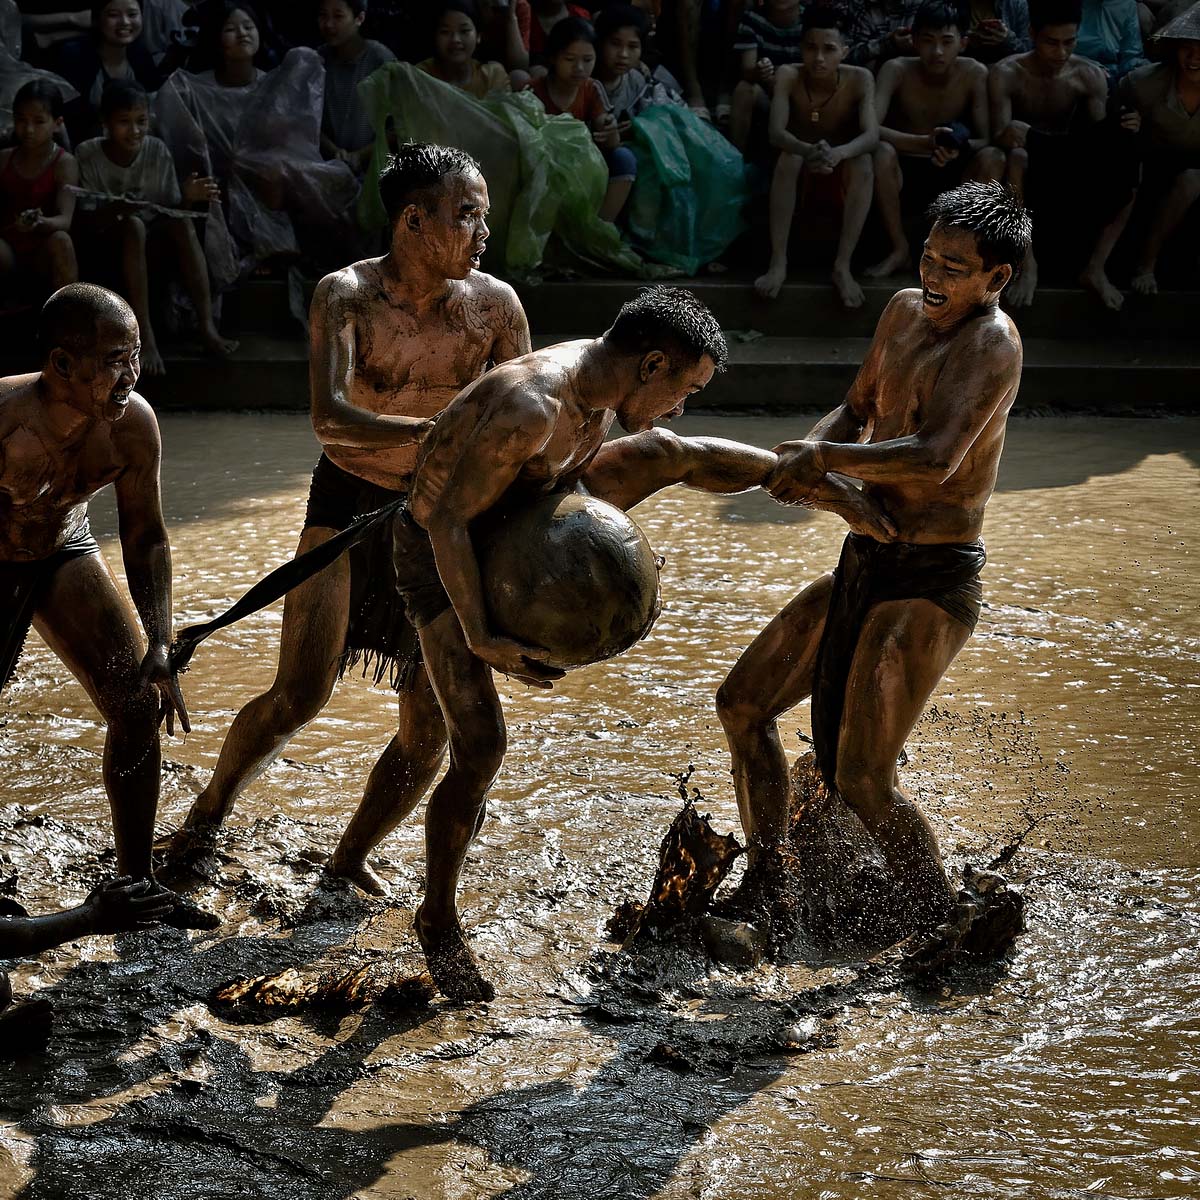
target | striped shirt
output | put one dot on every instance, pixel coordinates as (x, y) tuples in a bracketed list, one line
[(779, 43)]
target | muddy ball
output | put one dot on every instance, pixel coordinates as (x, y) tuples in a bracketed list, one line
[(571, 574)]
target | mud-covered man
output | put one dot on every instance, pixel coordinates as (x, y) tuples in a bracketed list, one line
[(923, 428), (535, 426), (394, 340), (67, 431)]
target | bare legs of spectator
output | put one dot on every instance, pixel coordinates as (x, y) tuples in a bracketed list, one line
[(748, 98), (860, 185), (1022, 289), (615, 198), (137, 288), (782, 208), (889, 181), (687, 27), (194, 272), (1184, 193), (56, 262), (1094, 276)]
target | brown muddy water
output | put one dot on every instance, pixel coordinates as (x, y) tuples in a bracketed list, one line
[(1070, 1071)]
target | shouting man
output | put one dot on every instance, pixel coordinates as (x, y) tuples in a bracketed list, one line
[(66, 432), (394, 340), (922, 427)]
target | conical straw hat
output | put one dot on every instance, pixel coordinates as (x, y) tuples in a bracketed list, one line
[(1185, 27)]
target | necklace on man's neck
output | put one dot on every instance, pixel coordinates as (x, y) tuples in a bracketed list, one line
[(815, 115)]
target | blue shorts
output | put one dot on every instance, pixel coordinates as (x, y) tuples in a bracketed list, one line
[(622, 163)]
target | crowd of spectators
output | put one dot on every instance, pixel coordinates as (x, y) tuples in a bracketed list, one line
[(208, 141)]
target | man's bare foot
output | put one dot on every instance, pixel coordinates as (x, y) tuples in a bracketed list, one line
[(1097, 281), (1144, 283), (1020, 293), (152, 360), (357, 873), (846, 286), (25, 1027), (898, 260), (216, 345), (768, 286), (451, 963)]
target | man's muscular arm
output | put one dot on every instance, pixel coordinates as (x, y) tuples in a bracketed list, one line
[(147, 552), (628, 469), (980, 374), (478, 470), (512, 326), (331, 363)]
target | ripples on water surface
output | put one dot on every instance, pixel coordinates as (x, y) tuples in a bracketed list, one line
[(1073, 1073)]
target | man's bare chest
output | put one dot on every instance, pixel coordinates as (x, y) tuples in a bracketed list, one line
[(399, 352), (920, 110), (37, 477), (1047, 104), (570, 449), (908, 374)]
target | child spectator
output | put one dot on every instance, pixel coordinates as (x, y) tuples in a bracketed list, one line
[(258, 134), (129, 163), (35, 206), (823, 122), (629, 85), (998, 28), (346, 131), (933, 117), (1048, 117), (455, 37), (1167, 98), (116, 906), (570, 88), (114, 50), (545, 15), (1110, 33), (766, 40), (879, 30)]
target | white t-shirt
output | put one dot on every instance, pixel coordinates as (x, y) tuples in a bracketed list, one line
[(151, 176)]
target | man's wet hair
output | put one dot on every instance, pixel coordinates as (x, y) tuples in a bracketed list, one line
[(669, 319), (621, 16), (1043, 13), (40, 91), (122, 95), (939, 14), (71, 318), (992, 212), (413, 175), (824, 16), (568, 30)]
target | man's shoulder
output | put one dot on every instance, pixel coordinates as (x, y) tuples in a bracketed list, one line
[(487, 289), (1149, 81), (993, 335), (859, 78), (906, 300), (970, 70), (136, 434), (348, 282), (1089, 73), (1015, 66)]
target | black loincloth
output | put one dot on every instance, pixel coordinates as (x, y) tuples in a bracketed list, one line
[(22, 586), (869, 573), (417, 578), (378, 627)]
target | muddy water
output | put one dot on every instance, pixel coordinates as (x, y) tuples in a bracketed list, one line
[(1074, 1071)]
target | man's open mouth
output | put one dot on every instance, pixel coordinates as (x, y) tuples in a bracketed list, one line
[(933, 299)]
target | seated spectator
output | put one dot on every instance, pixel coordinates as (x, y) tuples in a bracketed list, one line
[(1167, 98), (113, 50), (130, 164), (1110, 34), (933, 118), (879, 30), (767, 39), (35, 206), (504, 30), (545, 15), (346, 132), (569, 88), (997, 28), (455, 37), (46, 24), (163, 26), (629, 84), (1057, 150), (258, 134), (823, 122), (117, 906)]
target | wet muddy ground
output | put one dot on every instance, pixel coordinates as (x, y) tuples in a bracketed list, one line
[(1071, 1070)]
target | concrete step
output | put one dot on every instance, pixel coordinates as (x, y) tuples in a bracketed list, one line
[(766, 373), (806, 307)]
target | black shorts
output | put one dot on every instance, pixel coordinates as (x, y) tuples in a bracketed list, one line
[(417, 577)]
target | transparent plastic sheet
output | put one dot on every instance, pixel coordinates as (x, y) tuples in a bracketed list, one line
[(689, 199), (544, 174), (262, 143), (14, 75), (10, 27)]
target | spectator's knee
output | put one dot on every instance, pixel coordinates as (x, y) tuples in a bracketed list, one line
[(622, 163), (789, 164), (744, 94), (989, 163), (885, 156), (860, 167), (520, 80), (133, 231), (1018, 157), (60, 247)]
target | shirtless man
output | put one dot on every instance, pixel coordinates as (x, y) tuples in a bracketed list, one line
[(923, 427), (824, 125), (933, 118), (393, 341), (67, 431), (534, 426), (1053, 148)]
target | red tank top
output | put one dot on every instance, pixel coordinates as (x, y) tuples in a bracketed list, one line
[(17, 194)]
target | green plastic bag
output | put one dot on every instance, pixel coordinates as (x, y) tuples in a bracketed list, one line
[(546, 178), (689, 198)]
